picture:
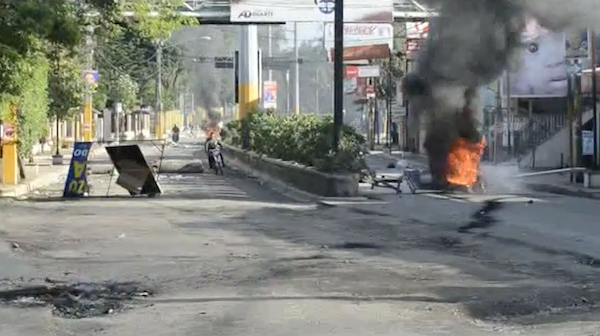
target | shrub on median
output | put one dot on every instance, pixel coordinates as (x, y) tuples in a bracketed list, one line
[(305, 139)]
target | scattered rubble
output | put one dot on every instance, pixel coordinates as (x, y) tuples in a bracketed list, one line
[(80, 300)]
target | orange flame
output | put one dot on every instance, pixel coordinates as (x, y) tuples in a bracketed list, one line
[(463, 162)]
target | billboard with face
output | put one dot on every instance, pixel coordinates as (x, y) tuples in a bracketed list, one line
[(542, 66)]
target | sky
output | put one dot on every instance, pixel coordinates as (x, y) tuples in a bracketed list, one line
[(307, 31)]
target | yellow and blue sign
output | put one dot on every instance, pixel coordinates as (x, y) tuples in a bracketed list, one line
[(90, 78), (76, 184)]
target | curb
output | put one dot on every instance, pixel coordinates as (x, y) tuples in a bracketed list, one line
[(274, 184), (41, 181), (537, 187), (558, 190), (290, 191)]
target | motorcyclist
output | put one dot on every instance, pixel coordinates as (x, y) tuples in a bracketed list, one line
[(175, 134), (213, 143)]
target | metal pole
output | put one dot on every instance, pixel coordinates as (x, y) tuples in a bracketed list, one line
[(118, 110), (287, 88), (497, 118), (390, 93), (338, 73), (159, 104), (570, 125), (296, 71), (509, 123), (317, 107), (270, 50)]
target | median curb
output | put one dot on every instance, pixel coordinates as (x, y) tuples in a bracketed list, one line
[(39, 182), (420, 160), (305, 180), (565, 191)]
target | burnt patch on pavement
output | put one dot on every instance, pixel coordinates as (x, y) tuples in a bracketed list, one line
[(80, 300), (357, 245), (483, 218)]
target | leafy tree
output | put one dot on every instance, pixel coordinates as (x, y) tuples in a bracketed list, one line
[(65, 84), (127, 50), (28, 28), (125, 90)]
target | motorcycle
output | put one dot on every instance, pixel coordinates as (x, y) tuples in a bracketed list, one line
[(217, 161)]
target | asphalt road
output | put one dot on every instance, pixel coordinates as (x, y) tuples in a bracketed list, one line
[(223, 255)]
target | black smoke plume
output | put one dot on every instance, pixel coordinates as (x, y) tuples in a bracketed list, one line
[(470, 44)]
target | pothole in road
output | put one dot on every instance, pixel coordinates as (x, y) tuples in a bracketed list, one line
[(80, 300)]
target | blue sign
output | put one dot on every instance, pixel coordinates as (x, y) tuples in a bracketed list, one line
[(587, 143), (76, 184), (575, 67)]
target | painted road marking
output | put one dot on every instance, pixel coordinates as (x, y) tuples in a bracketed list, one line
[(475, 198)]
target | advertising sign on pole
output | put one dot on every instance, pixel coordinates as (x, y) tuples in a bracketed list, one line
[(577, 44), (257, 11), (417, 30), (587, 143), (351, 71), (90, 78), (378, 51), (542, 68), (367, 71), (76, 185), (270, 95)]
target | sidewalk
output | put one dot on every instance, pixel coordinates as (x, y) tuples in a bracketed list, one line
[(552, 184), (44, 173)]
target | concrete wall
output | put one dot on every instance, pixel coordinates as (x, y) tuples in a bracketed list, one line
[(554, 152), (307, 179)]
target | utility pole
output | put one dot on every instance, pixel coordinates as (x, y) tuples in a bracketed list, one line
[(160, 127), (595, 116), (338, 73), (296, 71), (509, 119), (87, 108)]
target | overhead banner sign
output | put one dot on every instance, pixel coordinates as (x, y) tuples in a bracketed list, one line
[(360, 34), (264, 11), (76, 185), (270, 95), (542, 68)]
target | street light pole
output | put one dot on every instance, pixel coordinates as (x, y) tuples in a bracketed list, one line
[(270, 50), (296, 71), (338, 73), (159, 105)]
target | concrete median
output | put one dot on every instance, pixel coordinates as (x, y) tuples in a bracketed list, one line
[(306, 179)]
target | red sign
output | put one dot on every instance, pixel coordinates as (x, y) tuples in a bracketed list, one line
[(351, 71), (376, 51)]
